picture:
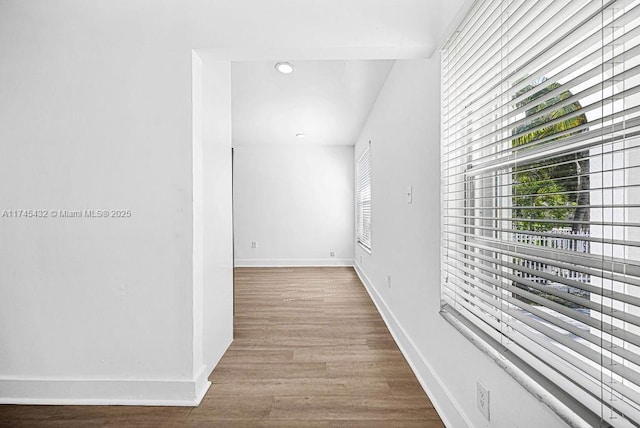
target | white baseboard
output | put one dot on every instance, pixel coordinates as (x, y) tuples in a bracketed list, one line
[(201, 384), (105, 392), (438, 393), (292, 262)]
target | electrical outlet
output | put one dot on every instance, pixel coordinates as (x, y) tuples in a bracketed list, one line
[(332, 254), (254, 244), (388, 281), (483, 399)]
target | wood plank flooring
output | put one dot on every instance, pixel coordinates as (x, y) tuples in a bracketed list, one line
[(310, 349)]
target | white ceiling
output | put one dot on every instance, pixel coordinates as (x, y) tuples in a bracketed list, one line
[(328, 101)]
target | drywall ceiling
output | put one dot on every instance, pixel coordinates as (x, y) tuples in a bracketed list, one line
[(88, 25), (327, 101), (321, 23)]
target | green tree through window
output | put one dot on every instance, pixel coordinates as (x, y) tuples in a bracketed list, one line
[(553, 193), (556, 188)]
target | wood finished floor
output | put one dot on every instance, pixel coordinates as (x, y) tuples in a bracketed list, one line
[(310, 349)]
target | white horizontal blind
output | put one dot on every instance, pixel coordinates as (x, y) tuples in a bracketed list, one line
[(363, 190), (541, 190)]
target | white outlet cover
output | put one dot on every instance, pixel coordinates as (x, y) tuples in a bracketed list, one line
[(483, 399)]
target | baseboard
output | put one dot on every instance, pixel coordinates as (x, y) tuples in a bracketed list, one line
[(292, 262), (201, 384), (443, 401), (105, 392)]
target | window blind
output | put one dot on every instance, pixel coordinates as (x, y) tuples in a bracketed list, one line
[(541, 190), (363, 190)]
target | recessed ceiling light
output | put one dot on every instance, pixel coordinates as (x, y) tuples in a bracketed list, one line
[(284, 67), (300, 135)]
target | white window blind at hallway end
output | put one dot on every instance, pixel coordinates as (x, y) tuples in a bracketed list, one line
[(363, 195), (541, 190)]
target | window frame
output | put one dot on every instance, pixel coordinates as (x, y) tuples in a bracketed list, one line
[(363, 199)]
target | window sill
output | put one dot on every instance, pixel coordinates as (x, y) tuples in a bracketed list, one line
[(570, 410)]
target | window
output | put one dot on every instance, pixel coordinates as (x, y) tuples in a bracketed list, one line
[(363, 195), (541, 192)]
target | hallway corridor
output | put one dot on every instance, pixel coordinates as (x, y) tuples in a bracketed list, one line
[(310, 349)]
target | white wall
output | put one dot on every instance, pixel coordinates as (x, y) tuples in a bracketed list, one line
[(404, 128), (96, 113), (296, 202), (86, 126), (217, 297)]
